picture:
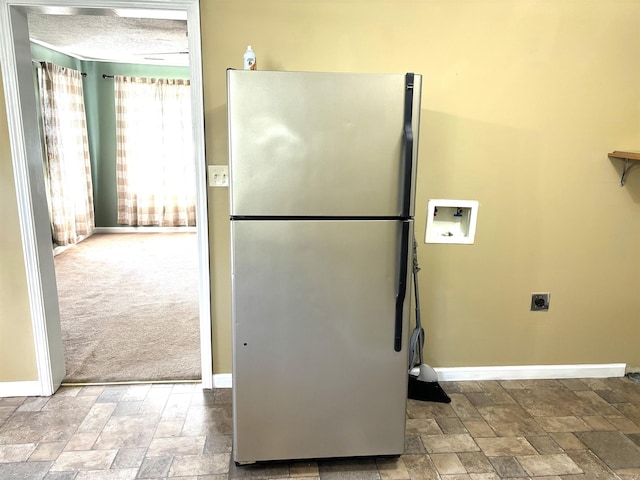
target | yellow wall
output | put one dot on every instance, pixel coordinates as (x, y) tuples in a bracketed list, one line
[(522, 100), (17, 352)]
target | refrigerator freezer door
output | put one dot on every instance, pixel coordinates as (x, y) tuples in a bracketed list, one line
[(315, 371), (319, 144)]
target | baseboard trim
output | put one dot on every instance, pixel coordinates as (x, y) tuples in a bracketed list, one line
[(515, 372), (146, 230), (531, 372), (20, 389), (445, 374), (222, 380)]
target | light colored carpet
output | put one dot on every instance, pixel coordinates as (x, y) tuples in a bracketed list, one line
[(129, 307)]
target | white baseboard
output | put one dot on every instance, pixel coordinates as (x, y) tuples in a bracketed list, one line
[(445, 374), (531, 372), (146, 229), (58, 249), (524, 372), (20, 389), (222, 380)]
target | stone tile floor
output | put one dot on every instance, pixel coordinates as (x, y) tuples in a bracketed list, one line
[(551, 429)]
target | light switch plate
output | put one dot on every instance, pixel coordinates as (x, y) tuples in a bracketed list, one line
[(218, 175)]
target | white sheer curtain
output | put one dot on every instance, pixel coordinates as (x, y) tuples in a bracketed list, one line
[(154, 165), (67, 165)]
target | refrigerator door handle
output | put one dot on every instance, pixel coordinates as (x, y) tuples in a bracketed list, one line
[(408, 144), (402, 287)]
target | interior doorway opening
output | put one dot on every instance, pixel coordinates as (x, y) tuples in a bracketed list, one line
[(27, 155)]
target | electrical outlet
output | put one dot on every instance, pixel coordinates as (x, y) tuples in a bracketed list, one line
[(539, 301)]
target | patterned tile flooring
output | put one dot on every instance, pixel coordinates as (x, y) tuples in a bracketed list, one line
[(551, 429)]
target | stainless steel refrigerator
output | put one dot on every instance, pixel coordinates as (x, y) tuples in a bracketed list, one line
[(322, 173)]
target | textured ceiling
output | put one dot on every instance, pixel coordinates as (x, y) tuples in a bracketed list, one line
[(113, 38)]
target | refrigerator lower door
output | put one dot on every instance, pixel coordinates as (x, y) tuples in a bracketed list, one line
[(315, 368)]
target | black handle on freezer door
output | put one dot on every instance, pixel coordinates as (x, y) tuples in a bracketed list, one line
[(408, 144), (402, 287)]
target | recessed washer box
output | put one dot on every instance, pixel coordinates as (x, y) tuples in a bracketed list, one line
[(451, 221)]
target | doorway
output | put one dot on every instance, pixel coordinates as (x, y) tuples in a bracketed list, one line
[(26, 153)]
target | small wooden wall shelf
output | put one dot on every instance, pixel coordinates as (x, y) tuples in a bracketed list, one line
[(627, 157)]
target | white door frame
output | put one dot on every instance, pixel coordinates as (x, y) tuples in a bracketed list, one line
[(15, 60)]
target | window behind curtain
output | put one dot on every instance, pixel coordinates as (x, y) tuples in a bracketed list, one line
[(67, 164), (155, 168)]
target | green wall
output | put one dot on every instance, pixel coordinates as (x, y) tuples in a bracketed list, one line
[(101, 125), (101, 121)]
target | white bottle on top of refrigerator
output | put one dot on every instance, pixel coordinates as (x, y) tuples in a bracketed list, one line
[(249, 59)]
